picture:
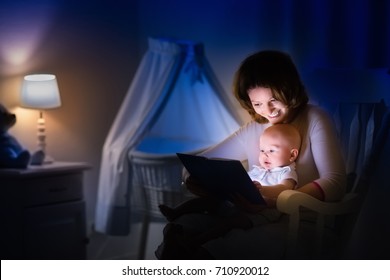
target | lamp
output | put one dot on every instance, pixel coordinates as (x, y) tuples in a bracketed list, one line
[(40, 91)]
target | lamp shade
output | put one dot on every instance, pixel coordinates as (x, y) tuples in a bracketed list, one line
[(40, 91)]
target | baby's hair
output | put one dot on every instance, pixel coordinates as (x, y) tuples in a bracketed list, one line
[(287, 131)]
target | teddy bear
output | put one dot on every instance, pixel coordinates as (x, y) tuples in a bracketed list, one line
[(12, 154)]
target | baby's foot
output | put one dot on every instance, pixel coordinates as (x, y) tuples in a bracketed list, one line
[(168, 212)]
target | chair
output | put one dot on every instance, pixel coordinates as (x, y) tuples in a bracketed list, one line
[(370, 237), (158, 179), (361, 128)]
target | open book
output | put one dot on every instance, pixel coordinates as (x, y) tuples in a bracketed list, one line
[(223, 178)]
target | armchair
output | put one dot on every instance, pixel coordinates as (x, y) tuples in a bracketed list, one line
[(363, 135)]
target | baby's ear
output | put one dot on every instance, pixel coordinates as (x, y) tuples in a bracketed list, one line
[(293, 154)]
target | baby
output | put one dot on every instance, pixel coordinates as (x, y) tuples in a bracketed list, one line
[(279, 148)]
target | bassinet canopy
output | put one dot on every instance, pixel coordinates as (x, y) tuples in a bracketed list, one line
[(174, 104)]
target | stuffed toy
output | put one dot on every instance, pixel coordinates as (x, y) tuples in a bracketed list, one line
[(12, 154)]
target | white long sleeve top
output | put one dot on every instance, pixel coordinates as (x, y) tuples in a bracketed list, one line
[(319, 161)]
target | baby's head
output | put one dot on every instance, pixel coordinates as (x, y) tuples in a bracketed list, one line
[(279, 146)]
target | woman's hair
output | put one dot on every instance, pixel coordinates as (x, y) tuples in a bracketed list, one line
[(274, 70)]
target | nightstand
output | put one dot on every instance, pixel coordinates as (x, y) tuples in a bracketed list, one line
[(43, 212)]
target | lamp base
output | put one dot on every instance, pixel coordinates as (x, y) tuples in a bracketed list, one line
[(39, 158)]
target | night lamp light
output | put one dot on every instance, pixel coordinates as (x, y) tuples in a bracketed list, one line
[(40, 91)]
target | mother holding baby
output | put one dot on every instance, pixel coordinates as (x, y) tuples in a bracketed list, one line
[(268, 86)]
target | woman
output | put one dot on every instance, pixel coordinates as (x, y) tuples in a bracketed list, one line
[(269, 88)]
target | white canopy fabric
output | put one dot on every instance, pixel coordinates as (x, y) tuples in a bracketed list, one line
[(174, 104)]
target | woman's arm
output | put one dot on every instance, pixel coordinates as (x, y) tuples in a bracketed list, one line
[(313, 190), (325, 150), (241, 145)]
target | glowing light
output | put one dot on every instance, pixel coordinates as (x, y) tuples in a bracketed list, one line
[(22, 27), (40, 91)]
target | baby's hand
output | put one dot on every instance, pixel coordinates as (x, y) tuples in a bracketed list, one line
[(257, 185), (270, 202)]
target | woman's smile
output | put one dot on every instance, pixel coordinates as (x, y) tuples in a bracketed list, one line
[(274, 114), (267, 106)]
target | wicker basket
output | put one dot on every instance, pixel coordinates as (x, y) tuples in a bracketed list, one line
[(158, 179)]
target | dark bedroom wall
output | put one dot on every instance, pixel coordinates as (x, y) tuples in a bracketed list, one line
[(322, 37), (92, 47), (98, 56)]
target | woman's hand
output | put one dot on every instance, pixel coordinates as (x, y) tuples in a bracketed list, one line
[(247, 206)]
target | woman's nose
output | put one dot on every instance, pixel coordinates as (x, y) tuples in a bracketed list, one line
[(268, 109)]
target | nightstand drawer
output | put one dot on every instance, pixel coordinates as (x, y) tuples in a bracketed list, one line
[(43, 212), (53, 189), (65, 222)]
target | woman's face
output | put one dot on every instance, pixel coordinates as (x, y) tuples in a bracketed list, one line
[(267, 106)]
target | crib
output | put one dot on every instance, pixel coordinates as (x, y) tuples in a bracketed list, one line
[(157, 178)]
